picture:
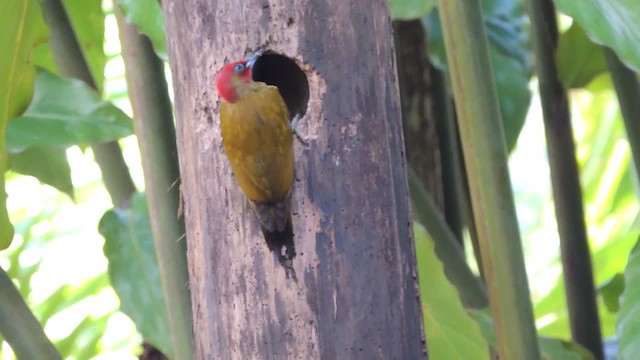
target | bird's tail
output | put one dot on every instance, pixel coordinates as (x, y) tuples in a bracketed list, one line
[(274, 216), (278, 232)]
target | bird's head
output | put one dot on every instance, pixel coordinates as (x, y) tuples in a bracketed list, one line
[(235, 77)]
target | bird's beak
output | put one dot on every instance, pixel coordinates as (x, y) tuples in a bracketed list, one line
[(251, 59)]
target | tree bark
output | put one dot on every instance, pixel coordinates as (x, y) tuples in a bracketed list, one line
[(356, 294), (419, 107), (429, 130)]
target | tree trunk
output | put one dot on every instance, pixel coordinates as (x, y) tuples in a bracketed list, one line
[(355, 295), (420, 111)]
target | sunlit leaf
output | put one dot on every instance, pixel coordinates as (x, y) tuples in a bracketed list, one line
[(88, 336), (579, 59), (608, 260), (147, 16), (556, 349), (508, 48), (66, 112), (20, 273), (133, 268), (67, 296), (614, 23), (410, 9), (42, 58), (451, 332), (628, 324), (48, 165), (84, 338), (21, 30), (550, 349)]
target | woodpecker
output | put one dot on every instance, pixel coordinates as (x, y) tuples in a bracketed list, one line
[(257, 136)]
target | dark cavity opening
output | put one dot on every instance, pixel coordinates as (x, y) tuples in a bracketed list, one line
[(283, 72)]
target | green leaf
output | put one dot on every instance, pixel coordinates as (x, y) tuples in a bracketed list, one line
[(42, 58), (48, 165), (613, 23), (67, 296), (451, 332), (556, 349), (579, 59), (611, 291), (133, 268), (87, 20), (551, 349), (66, 112), (628, 324), (472, 292), (608, 260), (21, 30), (410, 9), (147, 16), (84, 338), (508, 48)]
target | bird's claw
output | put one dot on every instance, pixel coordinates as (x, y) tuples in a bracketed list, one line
[(294, 128)]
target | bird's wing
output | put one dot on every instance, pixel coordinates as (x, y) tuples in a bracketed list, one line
[(259, 144)]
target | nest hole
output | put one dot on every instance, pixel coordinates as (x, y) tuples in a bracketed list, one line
[(283, 72)]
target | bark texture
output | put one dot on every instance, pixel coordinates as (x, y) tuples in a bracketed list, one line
[(420, 112), (356, 293)]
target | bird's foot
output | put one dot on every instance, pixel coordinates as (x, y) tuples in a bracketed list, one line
[(294, 127)]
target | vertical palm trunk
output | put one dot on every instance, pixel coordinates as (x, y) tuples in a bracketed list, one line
[(356, 292)]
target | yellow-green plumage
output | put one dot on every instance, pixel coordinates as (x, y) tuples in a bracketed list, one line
[(259, 144)]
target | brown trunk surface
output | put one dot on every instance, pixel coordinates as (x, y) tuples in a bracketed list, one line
[(356, 294)]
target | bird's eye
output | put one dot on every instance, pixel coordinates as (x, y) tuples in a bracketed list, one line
[(238, 68)]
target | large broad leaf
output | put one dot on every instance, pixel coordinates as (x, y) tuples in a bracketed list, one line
[(147, 16), (21, 30), (579, 59), (451, 332), (43, 58), (613, 23), (550, 349), (48, 165), (66, 112), (629, 314), (133, 268), (512, 68), (551, 311), (87, 20), (410, 9)]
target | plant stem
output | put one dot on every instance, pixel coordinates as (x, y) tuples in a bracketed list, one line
[(115, 173), (157, 142), (451, 158), (485, 156), (565, 181), (628, 90), (71, 63), (472, 292), (19, 327)]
